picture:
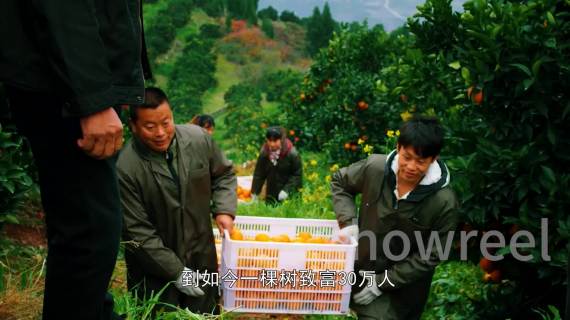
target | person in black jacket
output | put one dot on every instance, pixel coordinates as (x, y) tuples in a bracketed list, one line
[(280, 164), (67, 66)]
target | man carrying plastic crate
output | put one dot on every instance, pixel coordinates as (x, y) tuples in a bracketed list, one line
[(404, 194), (170, 176)]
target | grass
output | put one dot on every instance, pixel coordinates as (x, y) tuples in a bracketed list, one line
[(227, 75), (21, 281)]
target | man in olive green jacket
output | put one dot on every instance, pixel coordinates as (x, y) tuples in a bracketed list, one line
[(171, 178), (280, 165), (406, 192)]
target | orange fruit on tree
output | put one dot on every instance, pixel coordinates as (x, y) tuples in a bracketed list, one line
[(291, 132), (486, 265), (347, 146), (362, 105), (353, 147), (478, 97)]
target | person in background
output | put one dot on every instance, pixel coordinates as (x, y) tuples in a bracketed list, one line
[(278, 164), (67, 66), (205, 121), (171, 177)]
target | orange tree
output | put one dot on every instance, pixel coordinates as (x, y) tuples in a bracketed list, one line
[(337, 103), (245, 121), (365, 84), (514, 59), (495, 75)]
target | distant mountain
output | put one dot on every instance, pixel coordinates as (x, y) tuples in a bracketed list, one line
[(390, 13)]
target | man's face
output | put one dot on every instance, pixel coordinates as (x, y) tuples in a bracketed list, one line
[(274, 145), (411, 167), (155, 127)]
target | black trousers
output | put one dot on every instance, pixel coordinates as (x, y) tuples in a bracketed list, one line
[(80, 197)]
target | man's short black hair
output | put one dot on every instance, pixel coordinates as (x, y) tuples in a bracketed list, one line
[(274, 133), (204, 121), (422, 133), (153, 97)]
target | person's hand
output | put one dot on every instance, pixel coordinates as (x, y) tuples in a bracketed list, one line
[(187, 283), (282, 195), (370, 292), (224, 221), (102, 134), (344, 234)]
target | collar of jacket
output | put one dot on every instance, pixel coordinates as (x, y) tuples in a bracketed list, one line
[(425, 187)]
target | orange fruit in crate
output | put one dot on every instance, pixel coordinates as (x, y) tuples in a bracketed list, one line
[(262, 237), (316, 240), (236, 234), (281, 238), (304, 235)]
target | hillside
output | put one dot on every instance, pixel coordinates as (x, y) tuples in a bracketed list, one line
[(241, 53)]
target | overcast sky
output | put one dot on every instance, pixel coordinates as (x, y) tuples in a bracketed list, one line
[(390, 13)]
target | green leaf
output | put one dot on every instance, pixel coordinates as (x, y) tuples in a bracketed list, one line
[(9, 185), (504, 251), (523, 68), (550, 43), (550, 18), (465, 74), (536, 67), (11, 219), (455, 65), (548, 174), (527, 83), (566, 110), (551, 136), (397, 90)]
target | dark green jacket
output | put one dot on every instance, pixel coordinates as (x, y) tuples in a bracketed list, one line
[(87, 52), (164, 234), (427, 208), (287, 175)]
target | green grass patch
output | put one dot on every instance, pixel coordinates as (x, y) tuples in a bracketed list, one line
[(227, 74)]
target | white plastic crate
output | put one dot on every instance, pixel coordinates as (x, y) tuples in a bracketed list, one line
[(245, 181), (218, 242), (248, 259)]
